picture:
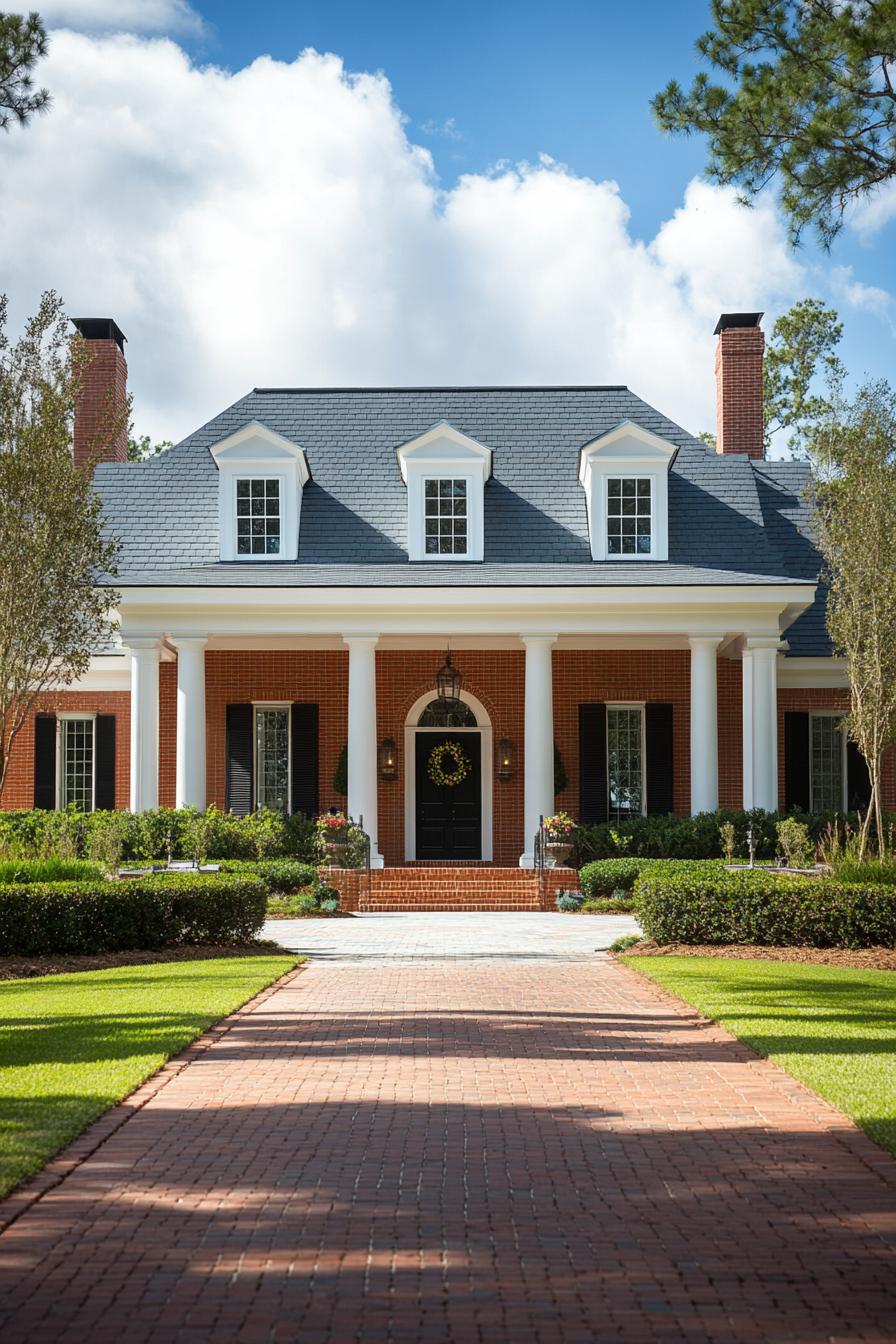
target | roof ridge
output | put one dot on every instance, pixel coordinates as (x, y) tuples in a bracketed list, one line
[(464, 387)]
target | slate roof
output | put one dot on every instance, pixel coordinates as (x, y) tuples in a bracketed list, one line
[(731, 521)]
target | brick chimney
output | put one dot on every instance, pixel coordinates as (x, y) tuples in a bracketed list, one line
[(103, 396), (739, 421)]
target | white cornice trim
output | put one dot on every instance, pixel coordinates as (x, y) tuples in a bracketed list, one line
[(812, 673)]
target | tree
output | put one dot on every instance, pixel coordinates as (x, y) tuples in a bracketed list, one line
[(855, 515), (801, 349), (23, 41), (809, 100), (52, 546), (140, 449)]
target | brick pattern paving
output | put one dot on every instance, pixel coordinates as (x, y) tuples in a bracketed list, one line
[(460, 1151)]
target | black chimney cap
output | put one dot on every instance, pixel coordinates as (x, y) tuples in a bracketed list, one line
[(737, 320), (100, 329)]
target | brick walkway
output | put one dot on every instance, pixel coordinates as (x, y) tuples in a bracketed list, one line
[(465, 1151)]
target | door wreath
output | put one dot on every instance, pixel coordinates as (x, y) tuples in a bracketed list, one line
[(439, 770)]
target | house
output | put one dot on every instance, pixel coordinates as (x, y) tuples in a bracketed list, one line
[(633, 620)]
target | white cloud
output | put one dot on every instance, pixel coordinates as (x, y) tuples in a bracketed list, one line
[(873, 212), (277, 226), (447, 129), (856, 294), (122, 16)]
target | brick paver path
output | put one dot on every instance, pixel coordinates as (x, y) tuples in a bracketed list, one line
[(532, 1150)]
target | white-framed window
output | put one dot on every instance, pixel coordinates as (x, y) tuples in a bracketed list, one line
[(827, 763), (273, 757), (261, 476), (445, 515), (629, 516), (258, 515), (625, 762), (445, 472), (76, 761), (625, 476)]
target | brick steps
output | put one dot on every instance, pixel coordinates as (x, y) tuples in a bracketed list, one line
[(454, 888)]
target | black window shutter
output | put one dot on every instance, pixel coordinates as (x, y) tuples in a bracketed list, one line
[(658, 751), (305, 734), (858, 780), (104, 762), (238, 798), (45, 761), (592, 764), (796, 760)]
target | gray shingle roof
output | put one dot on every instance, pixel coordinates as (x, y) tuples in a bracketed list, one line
[(730, 520)]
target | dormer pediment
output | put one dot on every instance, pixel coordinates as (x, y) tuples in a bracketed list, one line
[(255, 443), (443, 444), (627, 443)]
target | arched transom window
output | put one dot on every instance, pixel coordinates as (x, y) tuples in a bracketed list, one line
[(447, 714)]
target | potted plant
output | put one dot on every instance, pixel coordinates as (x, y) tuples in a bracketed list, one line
[(559, 831), (333, 834)]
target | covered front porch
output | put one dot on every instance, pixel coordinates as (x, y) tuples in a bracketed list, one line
[(599, 703)]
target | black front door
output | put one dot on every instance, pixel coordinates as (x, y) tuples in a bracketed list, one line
[(449, 816)]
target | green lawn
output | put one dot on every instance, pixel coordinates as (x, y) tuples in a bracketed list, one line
[(73, 1045), (834, 1029)]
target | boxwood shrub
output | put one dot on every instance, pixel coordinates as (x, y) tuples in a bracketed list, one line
[(281, 877), (163, 911), (600, 879), (764, 908)]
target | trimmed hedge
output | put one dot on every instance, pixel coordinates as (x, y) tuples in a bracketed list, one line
[(600, 879), (766, 908), (281, 877), (162, 911)]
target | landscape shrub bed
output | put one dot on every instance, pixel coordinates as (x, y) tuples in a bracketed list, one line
[(603, 877), (669, 837), (103, 916), (764, 908)]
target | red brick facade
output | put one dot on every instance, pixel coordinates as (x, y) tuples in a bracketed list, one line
[(18, 791), (495, 678), (739, 416)]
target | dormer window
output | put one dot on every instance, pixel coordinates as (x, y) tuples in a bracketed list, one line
[(625, 476), (258, 516), (445, 472), (629, 515), (260, 479), (445, 515)]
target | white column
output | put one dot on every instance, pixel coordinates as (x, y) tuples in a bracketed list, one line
[(190, 784), (746, 672), (144, 723), (362, 741), (704, 724), (765, 722), (539, 739)]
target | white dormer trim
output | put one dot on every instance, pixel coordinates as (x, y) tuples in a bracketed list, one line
[(258, 453), (444, 452), (627, 451)]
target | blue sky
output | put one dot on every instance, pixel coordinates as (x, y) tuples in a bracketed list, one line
[(253, 220)]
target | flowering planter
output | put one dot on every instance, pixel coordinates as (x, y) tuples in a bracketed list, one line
[(557, 852)]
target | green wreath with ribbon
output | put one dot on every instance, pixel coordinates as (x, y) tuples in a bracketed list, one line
[(438, 760)]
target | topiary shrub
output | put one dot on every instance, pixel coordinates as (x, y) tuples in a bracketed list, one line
[(762, 907), (607, 877), (105, 916)]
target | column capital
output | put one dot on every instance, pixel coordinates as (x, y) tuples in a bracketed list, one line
[(143, 645), (537, 638), (360, 641), (754, 642), (188, 641), (705, 641)]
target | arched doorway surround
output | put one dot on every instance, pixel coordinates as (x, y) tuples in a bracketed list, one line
[(483, 729)]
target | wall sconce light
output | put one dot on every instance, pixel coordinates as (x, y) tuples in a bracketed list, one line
[(388, 759), (506, 761)]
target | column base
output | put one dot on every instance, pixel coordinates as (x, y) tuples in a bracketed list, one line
[(377, 861), (527, 860)]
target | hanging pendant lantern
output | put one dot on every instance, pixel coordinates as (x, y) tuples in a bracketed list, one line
[(448, 680)]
